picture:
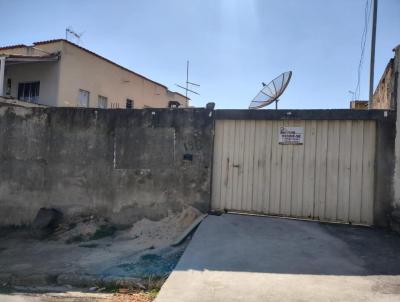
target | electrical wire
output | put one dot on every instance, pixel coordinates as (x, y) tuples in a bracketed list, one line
[(367, 17)]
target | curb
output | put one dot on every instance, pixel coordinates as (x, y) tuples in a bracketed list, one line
[(72, 279)]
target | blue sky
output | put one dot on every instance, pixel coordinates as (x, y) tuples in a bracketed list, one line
[(232, 45)]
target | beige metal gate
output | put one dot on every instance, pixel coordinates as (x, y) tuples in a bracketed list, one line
[(329, 177)]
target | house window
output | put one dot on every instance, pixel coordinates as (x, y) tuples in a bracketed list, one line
[(173, 104), (129, 104), (83, 98), (102, 102), (29, 91)]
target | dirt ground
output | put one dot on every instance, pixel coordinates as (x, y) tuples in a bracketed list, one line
[(78, 297), (89, 252)]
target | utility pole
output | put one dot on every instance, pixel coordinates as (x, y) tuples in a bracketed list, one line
[(2, 71), (372, 64), (187, 77)]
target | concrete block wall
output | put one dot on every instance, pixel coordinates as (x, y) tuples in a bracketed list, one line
[(383, 95), (121, 164)]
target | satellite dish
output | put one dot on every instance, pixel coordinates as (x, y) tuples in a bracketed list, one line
[(271, 92)]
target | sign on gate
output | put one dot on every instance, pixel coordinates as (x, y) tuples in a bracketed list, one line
[(291, 135)]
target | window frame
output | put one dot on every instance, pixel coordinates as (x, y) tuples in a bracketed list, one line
[(80, 103), (34, 86), (132, 103), (102, 98)]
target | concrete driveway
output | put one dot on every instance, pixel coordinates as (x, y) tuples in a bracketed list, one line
[(248, 258)]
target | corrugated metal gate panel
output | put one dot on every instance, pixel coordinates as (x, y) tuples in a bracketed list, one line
[(329, 177)]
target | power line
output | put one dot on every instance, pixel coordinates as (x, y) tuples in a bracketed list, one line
[(367, 16)]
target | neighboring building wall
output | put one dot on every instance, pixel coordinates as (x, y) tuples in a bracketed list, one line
[(359, 105), (384, 93), (396, 92), (82, 70), (173, 96), (123, 165)]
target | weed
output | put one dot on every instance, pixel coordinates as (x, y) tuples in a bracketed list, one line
[(6, 290), (152, 294), (111, 288), (103, 231), (89, 245)]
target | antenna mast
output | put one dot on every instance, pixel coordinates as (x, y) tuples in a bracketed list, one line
[(186, 87), (70, 31)]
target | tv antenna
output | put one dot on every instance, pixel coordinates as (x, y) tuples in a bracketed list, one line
[(70, 32), (271, 91), (353, 95), (186, 88)]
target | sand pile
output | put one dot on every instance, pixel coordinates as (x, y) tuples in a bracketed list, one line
[(147, 233)]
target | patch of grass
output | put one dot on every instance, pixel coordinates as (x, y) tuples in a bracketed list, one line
[(6, 230), (103, 231), (153, 283), (6, 290), (20, 227), (89, 245), (152, 294), (111, 288)]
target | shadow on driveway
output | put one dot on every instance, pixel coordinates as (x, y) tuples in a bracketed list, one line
[(276, 245), (235, 257)]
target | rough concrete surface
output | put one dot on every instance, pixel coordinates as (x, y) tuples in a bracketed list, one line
[(249, 258)]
